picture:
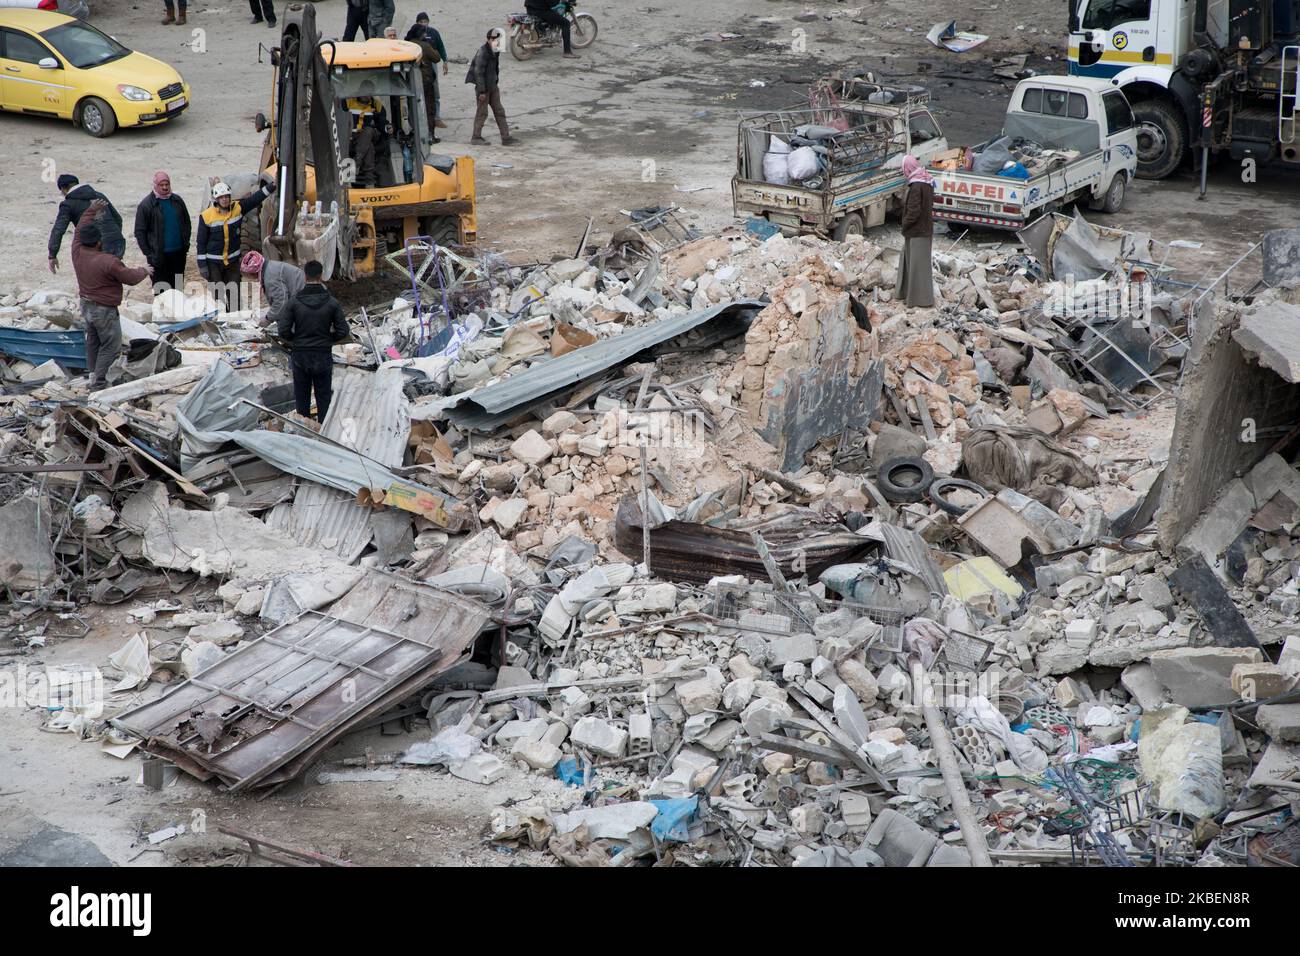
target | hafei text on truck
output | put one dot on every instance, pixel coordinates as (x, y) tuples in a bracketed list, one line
[(1064, 139), (855, 135), (1206, 75), (325, 92)]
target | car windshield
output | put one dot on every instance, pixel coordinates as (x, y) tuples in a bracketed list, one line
[(84, 46)]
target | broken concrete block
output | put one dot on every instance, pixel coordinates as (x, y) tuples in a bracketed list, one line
[(1271, 475), (859, 680), (658, 598), (1220, 524), (531, 448), (849, 715), (737, 694), (807, 819), (507, 514), (1260, 681), (1199, 677), (640, 728), (1280, 721), (219, 632), (796, 647), (538, 754), (1141, 682), (855, 810), (763, 715), (1069, 693), (1081, 632), (720, 735), (1183, 761), (482, 768), (701, 694), (562, 421), (1153, 590), (198, 656), (599, 736), (522, 730)]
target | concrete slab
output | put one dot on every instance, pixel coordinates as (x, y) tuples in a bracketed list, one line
[(1272, 335)]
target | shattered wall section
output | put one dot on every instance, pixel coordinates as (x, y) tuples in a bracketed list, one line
[(808, 369), (1230, 411)]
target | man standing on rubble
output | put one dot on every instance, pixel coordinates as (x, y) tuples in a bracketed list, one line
[(484, 73), (915, 280), (162, 231), (281, 282), (218, 239), (311, 325), (100, 277), (76, 200)]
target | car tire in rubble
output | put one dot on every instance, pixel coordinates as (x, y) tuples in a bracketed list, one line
[(850, 225), (940, 487), (905, 479), (1162, 140), (97, 117), (1115, 192)]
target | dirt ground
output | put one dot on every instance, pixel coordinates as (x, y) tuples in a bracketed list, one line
[(647, 116)]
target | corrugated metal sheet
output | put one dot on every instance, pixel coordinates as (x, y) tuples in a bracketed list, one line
[(260, 715), (493, 404), (368, 412), (66, 348)]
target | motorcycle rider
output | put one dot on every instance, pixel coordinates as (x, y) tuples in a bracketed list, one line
[(552, 15)]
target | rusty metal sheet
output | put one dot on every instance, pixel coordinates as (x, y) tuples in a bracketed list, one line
[(684, 551), (257, 717)]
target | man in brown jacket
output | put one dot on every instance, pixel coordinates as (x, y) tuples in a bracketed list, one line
[(100, 278)]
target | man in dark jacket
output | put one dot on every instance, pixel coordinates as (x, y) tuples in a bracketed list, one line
[(76, 200), (311, 325), (358, 19), (433, 51), (544, 10), (217, 240), (484, 73), (100, 277), (162, 231)]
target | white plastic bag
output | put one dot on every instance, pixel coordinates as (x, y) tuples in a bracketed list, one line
[(802, 164), (774, 162)]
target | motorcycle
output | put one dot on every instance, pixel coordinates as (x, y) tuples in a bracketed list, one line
[(528, 34)]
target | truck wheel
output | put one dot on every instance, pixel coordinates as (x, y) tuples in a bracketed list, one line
[(1162, 142), (444, 230), (1114, 201), (905, 479), (850, 225)]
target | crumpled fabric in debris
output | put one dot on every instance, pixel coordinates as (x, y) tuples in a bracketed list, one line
[(451, 745), (675, 818), (1025, 460), (132, 659), (578, 849), (981, 714), (523, 822)]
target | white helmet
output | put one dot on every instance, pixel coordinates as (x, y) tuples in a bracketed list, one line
[(219, 190)]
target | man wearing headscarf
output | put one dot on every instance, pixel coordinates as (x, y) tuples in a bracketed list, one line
[(77, 197), (433, 52), (280, 282), (915, 280), (162, 231), (485, 74)]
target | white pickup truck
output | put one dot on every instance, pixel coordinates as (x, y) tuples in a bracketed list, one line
[(1074, 138)]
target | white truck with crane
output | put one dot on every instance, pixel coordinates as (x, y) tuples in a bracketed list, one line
[(1213, 77)]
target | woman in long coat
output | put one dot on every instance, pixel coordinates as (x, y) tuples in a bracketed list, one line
[(915, 280)]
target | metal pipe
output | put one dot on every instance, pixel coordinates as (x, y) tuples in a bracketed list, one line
[(940, 740)]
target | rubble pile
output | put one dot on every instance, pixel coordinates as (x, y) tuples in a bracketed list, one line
[(740, 560)]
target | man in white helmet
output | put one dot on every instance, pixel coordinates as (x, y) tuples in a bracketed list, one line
[(218, 240)]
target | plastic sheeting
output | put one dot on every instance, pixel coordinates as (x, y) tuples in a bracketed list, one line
[(207, 412)]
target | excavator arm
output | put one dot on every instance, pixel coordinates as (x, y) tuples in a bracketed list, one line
[(305, 123)]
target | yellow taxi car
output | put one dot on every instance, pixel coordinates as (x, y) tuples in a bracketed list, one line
[(55, 65)]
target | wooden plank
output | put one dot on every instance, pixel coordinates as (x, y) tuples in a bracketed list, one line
[(626, 680)]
